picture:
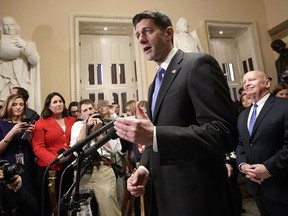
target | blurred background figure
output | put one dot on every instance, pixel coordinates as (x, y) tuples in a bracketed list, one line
[(19, 63), (144, 105), (106, 111), (117, 109), (13, 147), (245, 101), (188, 42), (131, 109), (281, 63), (73, 109), (240, 93), (30, 113), (132, 162), (281, 90)]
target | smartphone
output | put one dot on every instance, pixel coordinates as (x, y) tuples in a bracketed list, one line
[(26, 120)]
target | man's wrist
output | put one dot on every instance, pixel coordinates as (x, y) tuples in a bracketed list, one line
[(240, 165), (144, 168)]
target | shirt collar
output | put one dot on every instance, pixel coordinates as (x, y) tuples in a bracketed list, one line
[(263, 100), (171, 54)]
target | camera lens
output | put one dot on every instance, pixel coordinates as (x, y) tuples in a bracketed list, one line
[(10, 171), (16, 169)]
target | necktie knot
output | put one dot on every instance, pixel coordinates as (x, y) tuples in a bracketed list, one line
[(160, 73)]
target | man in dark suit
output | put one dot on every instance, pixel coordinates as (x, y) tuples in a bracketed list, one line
[(192, 126), (262, 154)]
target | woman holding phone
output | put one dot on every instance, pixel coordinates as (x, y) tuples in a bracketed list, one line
[(13, 147)]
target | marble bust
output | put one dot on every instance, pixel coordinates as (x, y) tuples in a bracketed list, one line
[(184, 40)]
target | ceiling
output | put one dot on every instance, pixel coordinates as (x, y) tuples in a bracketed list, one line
[(228, 31), (97, 28)]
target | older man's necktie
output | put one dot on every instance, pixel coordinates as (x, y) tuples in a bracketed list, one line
[(253, 118), (158, 82)]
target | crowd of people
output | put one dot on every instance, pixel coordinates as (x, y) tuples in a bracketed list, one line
[(53, 132), (180, 156)]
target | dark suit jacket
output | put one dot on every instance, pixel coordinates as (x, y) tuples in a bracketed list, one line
[(195, 125), (22, 201), (30, 113), (267, 145)]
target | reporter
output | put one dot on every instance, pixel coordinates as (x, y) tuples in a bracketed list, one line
[(12, 147), (101, 178), (51, 134), (13, 197)]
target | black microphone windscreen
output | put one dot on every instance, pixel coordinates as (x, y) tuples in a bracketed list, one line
[(112, 133)]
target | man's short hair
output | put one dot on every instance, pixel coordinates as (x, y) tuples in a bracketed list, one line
[(240, 90), (159, 18), (102, 103), (23, 92), (84, 101)]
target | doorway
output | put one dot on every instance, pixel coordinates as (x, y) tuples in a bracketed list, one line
[(106, 63), (236, 48)]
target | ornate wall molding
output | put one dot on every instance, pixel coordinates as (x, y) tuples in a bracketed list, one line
[(279, 31)]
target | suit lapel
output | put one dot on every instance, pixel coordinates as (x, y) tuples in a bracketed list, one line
[(169, 76), (267, 106)]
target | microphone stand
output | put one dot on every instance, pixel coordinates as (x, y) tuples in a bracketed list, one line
[(77, 197), (82, 154)]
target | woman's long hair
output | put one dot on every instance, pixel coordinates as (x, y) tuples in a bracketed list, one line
[(5, 112), (132, 105), (46, 112)]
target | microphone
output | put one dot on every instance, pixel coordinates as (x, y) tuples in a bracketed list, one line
[(82, 142), (34, 118), (111, 134), (91, 151)]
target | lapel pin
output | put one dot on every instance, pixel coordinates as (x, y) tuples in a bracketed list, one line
[(173, 71)]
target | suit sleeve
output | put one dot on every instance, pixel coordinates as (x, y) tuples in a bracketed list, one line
[(209, 126), (278, 163), (240, 150), (145, 158)]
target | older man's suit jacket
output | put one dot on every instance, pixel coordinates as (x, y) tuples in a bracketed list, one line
[(268, 145), (195, 125)]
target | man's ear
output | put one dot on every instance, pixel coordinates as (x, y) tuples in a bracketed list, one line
[(169, 33), (268, 83)]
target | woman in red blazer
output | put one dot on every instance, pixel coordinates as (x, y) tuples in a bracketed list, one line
[(51, 135)]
